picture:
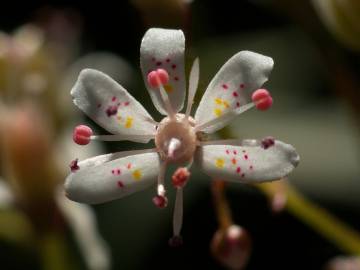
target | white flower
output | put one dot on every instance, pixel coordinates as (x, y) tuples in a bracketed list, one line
[(234, 89)]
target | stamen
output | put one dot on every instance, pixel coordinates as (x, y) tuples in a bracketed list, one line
[(157, 79), (160, 199), (82, 134), (166, 101), (262, 99), (180, 177), (117, 137), (176, 240), (224, 117), (193, 85)]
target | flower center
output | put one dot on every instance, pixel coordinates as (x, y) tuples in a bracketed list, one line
[(176, 139)]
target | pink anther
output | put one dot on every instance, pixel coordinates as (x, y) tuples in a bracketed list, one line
[(262, 99), (158, 77), (180, 177), (160, 201), (82, 134)]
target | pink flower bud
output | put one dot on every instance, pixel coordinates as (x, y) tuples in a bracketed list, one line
[(232, 247)]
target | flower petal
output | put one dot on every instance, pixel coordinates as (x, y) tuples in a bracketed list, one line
[(164, 48), (112, 176), (250, 162), (232, 87), (110, 105)]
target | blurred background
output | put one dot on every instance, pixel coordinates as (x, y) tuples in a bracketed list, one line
[(316, 89)]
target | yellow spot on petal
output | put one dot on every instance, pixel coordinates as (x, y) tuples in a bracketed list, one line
[(233, 161), (168, 88), (129, 122), (226, 104), (219, 163), (217, 112), (137, 174), (218, 101)]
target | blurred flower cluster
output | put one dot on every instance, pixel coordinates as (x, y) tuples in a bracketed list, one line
[(37, 64)]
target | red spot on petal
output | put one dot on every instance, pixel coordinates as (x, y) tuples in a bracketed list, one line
[(118, 171), (113, 99), (158, 63), (235, 94), (112, 171), (267, 142), (242, 85), (246, 157), (167, 60), (238, 104), (227, 151), (225, 86), (74, 165), (238, 169), (235, 152), (126, 103), (111, 110), (153, 59), (176, 78), (173, 66), (120, 184), (243, 175), (99, 105), (251, 167)]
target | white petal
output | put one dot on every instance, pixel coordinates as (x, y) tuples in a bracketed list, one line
[(110, 105), (247, 163), (108, 177), (232, 87), (82, 221), (163, 48)]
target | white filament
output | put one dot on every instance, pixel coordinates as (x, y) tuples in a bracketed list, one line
[(111, 138), (161, 179), (178, 212)]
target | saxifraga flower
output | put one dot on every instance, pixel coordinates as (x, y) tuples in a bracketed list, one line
[(178, 137)]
